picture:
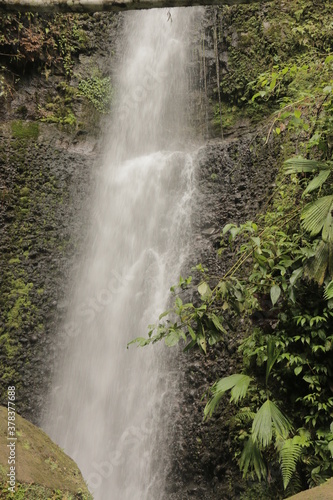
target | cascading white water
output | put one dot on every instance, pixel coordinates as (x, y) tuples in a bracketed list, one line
[(106, 398)]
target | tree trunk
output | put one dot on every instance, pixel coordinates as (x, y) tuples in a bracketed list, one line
[(104, 5)]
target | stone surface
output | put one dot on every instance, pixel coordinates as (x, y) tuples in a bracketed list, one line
[(322, 492), (39, 462), (105, 5)]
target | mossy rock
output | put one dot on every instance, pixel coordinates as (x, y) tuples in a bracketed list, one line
[(322, 492), (24, 130), (43, 470)]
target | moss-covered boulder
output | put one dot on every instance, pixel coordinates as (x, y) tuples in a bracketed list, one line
[(42, 469)]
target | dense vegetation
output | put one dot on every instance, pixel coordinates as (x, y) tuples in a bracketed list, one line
[(50, 45), (277, 62), (280, 284)]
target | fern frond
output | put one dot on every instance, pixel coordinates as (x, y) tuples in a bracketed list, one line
[(329, 291), (314, 214), (295, 485), (244, 416), (252, 458), (290, 454), (269, 418)]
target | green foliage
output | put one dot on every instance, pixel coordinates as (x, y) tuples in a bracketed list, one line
[(276, 59), (37, 492), (238, 383), (269, 419), (98, 91), (293, 341), (252, 456)]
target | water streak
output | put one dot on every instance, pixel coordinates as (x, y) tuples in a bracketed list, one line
[(106, 400)]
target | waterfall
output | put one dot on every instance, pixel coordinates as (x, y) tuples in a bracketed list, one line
[(106, 399)]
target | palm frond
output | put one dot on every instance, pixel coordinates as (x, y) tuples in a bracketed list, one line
[(290, 454), (317, 181), (213, 402), (327, 236), (252, 458), (269, 418), (314, 214), (327, 233), (240, 388), (299, 165), (315, 268), (238, 383)]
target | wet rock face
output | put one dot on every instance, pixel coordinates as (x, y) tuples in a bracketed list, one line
[(45, 190), (49, 143), (234, 180)]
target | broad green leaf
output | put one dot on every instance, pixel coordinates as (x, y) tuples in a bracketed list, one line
[(256, 240), (191, 332), (328, 59), (203, 345), (298, 370), (204, 289), (172, 338), (234, 231), (273, 82), (275, 293), (178, 302), (165, 313), (141, 341), (262, 93), (227, 228), (218, 324), (296, 275), (223, 287)]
